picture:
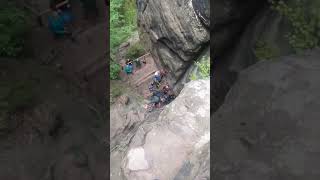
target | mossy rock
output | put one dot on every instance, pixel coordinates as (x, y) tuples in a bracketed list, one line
[(264, 51)]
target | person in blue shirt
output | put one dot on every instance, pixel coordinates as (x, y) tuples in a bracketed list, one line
[(57, 25), (129, 69)]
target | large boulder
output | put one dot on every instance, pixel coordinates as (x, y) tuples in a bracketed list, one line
[(230, 23), (174, 146), (173, 31), (202, 8), (263, 37), (267, 127)]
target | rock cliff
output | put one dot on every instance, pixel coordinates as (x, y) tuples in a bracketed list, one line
[(267, 126), (175, 32), (173, 146)]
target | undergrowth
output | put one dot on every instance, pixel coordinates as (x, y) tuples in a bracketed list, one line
[(135, 51), (122, 25), (305, 24), (264, 51), (14, 25), (122, 22), (115, 69), (203, 70)]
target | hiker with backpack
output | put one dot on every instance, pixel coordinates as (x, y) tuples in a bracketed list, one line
[(59, 18), (128, 67)]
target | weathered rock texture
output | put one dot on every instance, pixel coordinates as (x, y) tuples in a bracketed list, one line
[(230, 18), (174, 31), (267, 127), (174, 146)]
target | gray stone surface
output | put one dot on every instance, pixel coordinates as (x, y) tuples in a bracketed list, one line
[(173, 31), (267, 127), (229, 20), (183, 128), (171, 145)]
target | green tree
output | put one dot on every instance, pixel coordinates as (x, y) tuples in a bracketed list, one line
[(122, 22), (13, 29)]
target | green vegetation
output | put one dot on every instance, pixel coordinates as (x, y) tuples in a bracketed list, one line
[(264, 51), (123, 23), (305, 24), (115, 69), (116, 90), (135, 51), (193, 77), (13, 28), (203, 69)]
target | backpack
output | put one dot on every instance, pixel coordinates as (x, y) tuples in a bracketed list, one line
[(128, 69)]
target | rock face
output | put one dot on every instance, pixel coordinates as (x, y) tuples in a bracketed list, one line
[(124, 121), (173, 146), (230, 19), (202, 8), (267, 127), (175, 31), (182, 128), (239, 29)]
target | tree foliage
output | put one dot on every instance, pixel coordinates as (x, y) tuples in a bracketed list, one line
[(135, 51), (264, 51), (115, 69), (305, 23), (123, 23), (13, 28)]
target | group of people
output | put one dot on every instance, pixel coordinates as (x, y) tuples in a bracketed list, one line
[(128, 67), (159, 96)]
